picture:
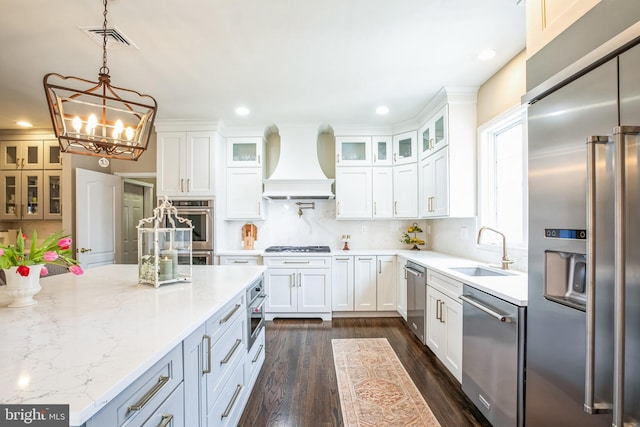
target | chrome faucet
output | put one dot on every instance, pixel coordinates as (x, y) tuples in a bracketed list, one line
[(505, 259)]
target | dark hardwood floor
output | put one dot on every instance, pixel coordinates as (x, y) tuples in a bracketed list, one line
[(297, 385)]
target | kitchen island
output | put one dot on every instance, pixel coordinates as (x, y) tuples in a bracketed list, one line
[(90, 336)]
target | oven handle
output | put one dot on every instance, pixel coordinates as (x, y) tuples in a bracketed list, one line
[(413, 271), (501, 317), (194, 211), (260, 299)]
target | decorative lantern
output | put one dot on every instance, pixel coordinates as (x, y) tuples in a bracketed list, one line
[(164, 247)]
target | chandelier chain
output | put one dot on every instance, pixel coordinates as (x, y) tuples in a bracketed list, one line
[(104, 69)]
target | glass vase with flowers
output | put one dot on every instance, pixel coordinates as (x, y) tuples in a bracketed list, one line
[(23, 267)]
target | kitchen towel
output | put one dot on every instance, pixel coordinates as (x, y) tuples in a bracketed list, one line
[(374, 387)]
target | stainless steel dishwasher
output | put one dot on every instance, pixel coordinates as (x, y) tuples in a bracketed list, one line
[(493, 356), (416, 299)]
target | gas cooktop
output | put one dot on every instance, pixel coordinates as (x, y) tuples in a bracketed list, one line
[(310, 249)]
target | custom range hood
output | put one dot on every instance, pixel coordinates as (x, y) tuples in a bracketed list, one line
[(298, 174)]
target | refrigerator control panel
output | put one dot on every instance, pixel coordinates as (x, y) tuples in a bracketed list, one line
[(563, 233)]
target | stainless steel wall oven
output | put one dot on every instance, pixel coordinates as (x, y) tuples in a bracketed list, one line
[(200, 212), (255, 311)]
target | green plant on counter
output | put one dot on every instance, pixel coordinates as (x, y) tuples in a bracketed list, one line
[(148, 268)]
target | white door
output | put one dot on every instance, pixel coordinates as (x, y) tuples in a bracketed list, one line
[(98, 210)]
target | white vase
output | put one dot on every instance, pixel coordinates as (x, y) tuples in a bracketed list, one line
[(22, 289)]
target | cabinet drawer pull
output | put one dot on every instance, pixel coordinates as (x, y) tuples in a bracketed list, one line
[(166, 420), (342, 259), (364, 259), (208, 350), (150, 394), (255, 359), (237, 261), (231, 313), (297, 262), (230, 354), (438, 309), (227, 411), (441, 312)]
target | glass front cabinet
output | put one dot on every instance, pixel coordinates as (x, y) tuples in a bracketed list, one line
[(244, 152), (382, 150), (21, 195), (52, 208), (404, 148), (353, 151), (433, 135), (21, 155)]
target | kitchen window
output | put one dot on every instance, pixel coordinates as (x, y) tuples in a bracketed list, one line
[(502, 180)]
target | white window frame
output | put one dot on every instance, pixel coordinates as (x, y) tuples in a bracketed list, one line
[(491, 241)]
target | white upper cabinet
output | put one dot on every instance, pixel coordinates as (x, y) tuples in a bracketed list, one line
[(382, 150), (244, 193), (21, 155), (244, 152), (185, 164), (434, 134), (405, 191), (404, 148), (353, 193), (448, 165), (382, 179), (353, 151)]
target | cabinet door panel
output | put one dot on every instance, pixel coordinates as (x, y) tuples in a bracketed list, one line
[(382, 192), (314, 290), (452, 351), (199, 173), (171, 163), (244, 193), (365, 283), (342, 284), (280, 286), (386, 283), (405, 191), (353, 192), (435, 331)]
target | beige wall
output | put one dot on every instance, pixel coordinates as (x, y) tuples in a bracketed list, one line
[(146, 163), (503, 90)]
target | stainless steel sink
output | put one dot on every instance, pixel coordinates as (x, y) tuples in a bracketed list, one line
[(479, 271)]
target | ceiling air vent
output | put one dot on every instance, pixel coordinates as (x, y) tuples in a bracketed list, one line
[(115, 38)]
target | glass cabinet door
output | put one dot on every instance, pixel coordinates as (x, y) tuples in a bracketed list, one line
[(404, 148), (245, 152), (32, 195), (353, 150), (10, 196), (21, 155), (52, 199), (440, 132), (382, 151), (52, 155)]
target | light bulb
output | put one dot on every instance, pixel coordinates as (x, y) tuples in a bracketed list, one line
[(117, 129), (129, 133), (77, 124), (92, 123)]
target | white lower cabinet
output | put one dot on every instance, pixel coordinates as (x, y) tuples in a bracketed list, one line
[(342, 283), (386, 283), (444, 321), (364, 283), (401, 287), (298, 287)]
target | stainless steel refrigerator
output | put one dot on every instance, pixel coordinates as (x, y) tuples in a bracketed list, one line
[(582, 365)]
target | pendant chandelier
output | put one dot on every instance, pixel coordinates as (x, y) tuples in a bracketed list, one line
[(97, 119)]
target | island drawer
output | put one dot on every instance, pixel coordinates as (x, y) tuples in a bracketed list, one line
[(219, 322), (298, 262), (135, 404), (171, 412), (228, 405), (223, 356)]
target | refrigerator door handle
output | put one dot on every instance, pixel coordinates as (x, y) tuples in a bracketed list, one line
[(590, 406), (620, 147)]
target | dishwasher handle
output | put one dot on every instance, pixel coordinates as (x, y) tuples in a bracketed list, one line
[(470, 300), (413, 271)]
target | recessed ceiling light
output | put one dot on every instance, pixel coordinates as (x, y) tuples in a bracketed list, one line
[(382, 110), (486, 54), (24, 124), (242, 111)]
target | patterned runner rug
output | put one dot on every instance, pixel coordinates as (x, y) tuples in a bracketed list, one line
[(375, 389)]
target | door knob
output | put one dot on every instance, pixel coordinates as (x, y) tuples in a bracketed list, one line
[(83, 250)]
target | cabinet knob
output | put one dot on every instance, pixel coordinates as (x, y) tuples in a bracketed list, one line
[(83, 250)]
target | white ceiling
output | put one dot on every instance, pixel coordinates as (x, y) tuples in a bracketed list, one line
[(323, 61)]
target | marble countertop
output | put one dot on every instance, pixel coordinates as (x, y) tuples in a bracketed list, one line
[(90, 336)]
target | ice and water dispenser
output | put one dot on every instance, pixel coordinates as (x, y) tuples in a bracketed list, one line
[(565, 273)]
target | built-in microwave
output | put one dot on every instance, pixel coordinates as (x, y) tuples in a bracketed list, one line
[(200, 212)]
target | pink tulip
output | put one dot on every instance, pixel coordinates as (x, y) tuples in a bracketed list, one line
[(23, 270), (44, 271), (64, 243), (1, 252), (50, 256), (76, 269)]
